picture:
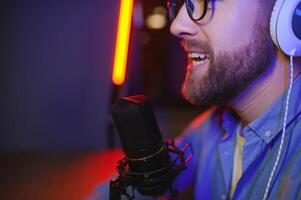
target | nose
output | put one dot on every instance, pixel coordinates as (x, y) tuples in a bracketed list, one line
[(182, 26)]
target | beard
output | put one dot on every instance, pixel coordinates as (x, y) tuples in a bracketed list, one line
[(229, 73)]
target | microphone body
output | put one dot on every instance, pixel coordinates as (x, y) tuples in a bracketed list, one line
[(149, 165)]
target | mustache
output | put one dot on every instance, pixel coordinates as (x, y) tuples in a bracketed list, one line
[(189, 44)]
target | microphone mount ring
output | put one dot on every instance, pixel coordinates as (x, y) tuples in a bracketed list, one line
[(146, 157)]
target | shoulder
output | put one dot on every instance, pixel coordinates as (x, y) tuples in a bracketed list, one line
[(199, 134), (101, 191)]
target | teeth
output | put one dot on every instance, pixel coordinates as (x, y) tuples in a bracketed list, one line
[(199, 62), (197, 55)]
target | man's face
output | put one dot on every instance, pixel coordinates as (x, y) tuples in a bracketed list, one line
[(226, 50)]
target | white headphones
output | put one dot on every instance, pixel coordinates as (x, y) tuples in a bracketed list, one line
[(285, 26)]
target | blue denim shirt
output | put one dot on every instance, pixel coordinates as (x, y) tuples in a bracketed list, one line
[(212, 136)]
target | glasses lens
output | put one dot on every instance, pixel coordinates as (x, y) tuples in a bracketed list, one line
[(196, 8), (174, 7)]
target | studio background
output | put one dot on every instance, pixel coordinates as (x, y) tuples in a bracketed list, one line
[(56, 68)]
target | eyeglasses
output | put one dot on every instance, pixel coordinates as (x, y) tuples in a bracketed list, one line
[(196, 9)]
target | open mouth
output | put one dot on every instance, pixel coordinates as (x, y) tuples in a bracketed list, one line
[(198, 58)]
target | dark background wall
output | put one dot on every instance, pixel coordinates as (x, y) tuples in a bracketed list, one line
[(56, 60)]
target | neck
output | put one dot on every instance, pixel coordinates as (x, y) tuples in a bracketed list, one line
[(265, 90)]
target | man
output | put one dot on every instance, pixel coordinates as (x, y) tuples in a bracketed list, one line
[(234, 66), (234, 63)]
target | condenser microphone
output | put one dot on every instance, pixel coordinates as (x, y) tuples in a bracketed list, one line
[(150, 169)]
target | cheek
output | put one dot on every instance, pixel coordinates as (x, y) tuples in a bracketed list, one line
[(231, 27)]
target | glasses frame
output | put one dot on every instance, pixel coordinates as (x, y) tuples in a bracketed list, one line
[(187, 10)]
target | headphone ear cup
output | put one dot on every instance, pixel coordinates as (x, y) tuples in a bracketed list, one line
[(281, 26)]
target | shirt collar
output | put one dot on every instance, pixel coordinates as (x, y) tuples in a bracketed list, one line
[(270, 123), (230, 123)]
